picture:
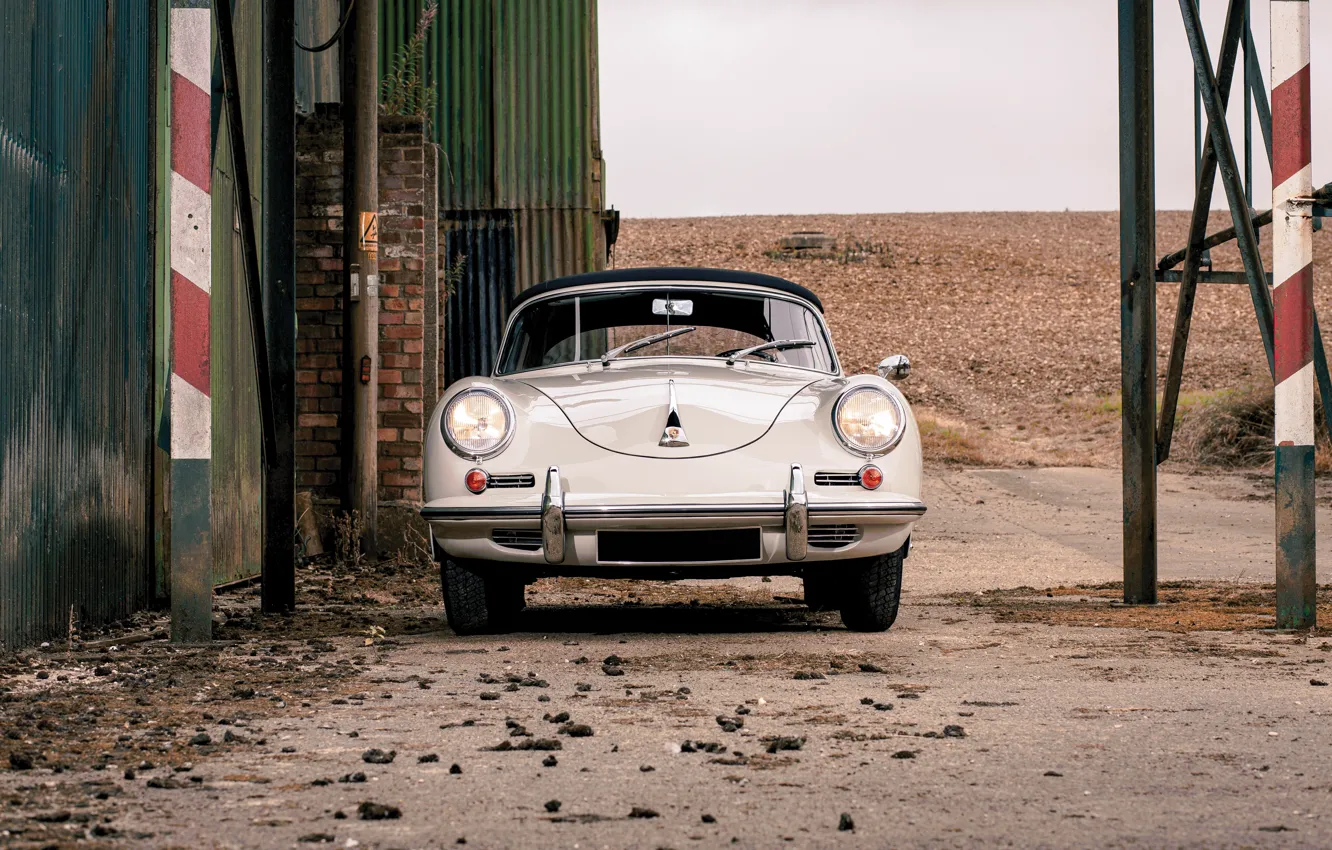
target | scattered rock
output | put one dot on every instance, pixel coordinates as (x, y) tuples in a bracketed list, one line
[(613, 660), (730, 724), (1318, 683), (883, 706), (129, 773), (562, 717), (783, 742), (20, 761), (805, 675), (507, 746), (583, 687), (489, 695), (102, 671), (845, 823), (612, 670), (549, 761), (358, 776), (576, 730), (1053, 773), (708, 819), (60, 816), (428, 758), (904, 754), (455, 769), (317, 838), (871, 668), (200, 740), (645, 768), (374, 755), (239, 692), (643, 812), (954, 731), (553, 806), (908, 695), (377, 811), (867, 700)]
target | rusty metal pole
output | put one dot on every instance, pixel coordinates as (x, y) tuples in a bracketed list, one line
[(361, 250), (1137, 297), (1292, 301)]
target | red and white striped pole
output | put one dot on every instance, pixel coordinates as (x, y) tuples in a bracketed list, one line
[(1292, 301), (189, 402)]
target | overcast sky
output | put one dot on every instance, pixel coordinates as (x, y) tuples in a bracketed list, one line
[(715, 107)]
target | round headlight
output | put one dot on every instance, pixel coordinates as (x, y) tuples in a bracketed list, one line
[(868, 420), (478, 423)]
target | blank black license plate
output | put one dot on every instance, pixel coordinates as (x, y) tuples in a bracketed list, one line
[(687, 546)]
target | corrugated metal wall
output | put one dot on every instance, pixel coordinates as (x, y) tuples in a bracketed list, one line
[(517, 123), (317, 74), (237, 448), (76, 313)]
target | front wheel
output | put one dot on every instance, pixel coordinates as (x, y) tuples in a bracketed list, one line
[(476, 603), (871, 589)]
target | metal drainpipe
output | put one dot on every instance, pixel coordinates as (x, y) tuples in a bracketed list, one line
[(1292, 300)]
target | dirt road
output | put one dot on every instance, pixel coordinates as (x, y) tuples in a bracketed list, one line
[(741, 720)]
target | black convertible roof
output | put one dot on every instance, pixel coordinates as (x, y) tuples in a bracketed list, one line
[(683, 274)]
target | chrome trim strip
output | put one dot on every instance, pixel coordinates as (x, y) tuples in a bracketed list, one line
[(901, 509), (797, 516), (552, 518)]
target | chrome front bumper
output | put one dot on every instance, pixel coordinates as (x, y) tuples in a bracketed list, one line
[(793, 513)]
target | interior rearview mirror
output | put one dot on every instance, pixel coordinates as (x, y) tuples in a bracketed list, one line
[(671, 307), (895, 368)]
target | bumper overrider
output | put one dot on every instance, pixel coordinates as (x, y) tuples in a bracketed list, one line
[(791, 511)]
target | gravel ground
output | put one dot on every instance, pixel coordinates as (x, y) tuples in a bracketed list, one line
[(1011, 319), (1026, 717)]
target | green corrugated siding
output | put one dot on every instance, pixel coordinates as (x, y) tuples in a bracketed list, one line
[(517, 100), (237, 445), (77, 108)]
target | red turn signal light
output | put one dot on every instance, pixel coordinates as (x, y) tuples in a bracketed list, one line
[(871, 477), (476, 480)]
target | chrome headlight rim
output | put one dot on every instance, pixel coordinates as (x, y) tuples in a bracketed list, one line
[(860, 451), (464, 452)]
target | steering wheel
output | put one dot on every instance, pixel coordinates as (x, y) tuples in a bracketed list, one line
[(765, 355)]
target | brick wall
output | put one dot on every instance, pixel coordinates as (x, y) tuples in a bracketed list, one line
[(406, 212)]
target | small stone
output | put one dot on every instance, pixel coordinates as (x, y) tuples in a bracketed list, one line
[(904, 754), (549, 761), (377, 811), (562, 717), (845, 823), (646, 768), (785, 743), (358, 776), (317, 838), (643, 812), (883, 706), (553, 806), (708, 819), (543, 698), (576, 730), (582, 687), (339, 815), (102, 671), (489, 695), (805, 675), (242, 693), (428, 758), (1053, 773), (42, 674), (455, 769), (871, 668), (612, 670), (1318, 683), (867, 700), (20, 761), (511, 688), (954, 731), (613, 660), (129, 773), (374, 755), (908, 696), (200, 740), (321, 782)]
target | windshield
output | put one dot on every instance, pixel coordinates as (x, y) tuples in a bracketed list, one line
[(584, 327)]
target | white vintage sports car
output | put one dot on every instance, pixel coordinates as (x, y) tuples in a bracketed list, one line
[(672, 423)]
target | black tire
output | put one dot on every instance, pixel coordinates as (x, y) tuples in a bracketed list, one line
[(477, 604), (871, 589)]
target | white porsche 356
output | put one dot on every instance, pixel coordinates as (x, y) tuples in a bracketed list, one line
[(672, 423)]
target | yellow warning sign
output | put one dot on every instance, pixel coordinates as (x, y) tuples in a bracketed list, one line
[(370, 232)]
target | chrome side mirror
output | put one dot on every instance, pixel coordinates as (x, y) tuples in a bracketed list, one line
[(895, 368)]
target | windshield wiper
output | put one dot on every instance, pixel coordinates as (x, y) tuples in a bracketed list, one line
[(641, 343), (776, 344)]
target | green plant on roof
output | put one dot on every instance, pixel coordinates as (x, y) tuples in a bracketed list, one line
[(404, 91)]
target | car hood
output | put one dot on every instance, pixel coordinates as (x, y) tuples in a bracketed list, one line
[(626, 408)]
